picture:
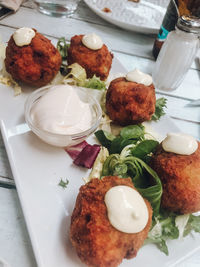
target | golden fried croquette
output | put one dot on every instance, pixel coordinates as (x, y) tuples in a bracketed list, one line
[(130, 102), (96, 241), (180, 177), (35, 64), (95, 62)]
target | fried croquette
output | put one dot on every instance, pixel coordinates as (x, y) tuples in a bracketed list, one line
[(180, 177), (130, 102), (95, 62), (35, 64), (96, 241)]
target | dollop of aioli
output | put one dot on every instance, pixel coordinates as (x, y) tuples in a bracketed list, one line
[(127, 211), (180, 143), (139, 77), (61, 111), (23, 36), (92, 41)]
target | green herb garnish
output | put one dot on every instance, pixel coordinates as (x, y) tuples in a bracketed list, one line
[(63, 183), (62, 47), (160, 105)]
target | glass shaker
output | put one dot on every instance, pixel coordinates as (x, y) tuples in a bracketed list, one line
[(177, 54)]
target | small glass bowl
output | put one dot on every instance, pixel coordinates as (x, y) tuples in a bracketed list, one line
[(63, 140)]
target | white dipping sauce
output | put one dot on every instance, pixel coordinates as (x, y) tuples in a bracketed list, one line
[(180, 143), (61, 111), (23, 36), (139, 77), (127, 211), (92, 41)]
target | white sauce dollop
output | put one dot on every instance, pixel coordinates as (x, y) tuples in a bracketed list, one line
[(23, 36), (126, 209), (139, 77), (180, 143), (92, 41), (61, 111)]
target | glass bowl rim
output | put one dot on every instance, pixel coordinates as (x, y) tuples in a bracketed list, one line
[(32, 98)]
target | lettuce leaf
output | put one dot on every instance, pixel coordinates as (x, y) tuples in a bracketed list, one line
[(95, 83)]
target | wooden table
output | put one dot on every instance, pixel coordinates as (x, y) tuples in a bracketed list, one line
[(133, 50)]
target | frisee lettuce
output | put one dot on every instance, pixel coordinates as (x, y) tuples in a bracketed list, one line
[(165, 227), (77, 76)]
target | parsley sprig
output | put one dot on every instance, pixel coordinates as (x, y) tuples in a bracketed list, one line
[(159, 112)]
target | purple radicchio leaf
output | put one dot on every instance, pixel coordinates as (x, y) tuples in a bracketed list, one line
[(74, 151), (87, 156)]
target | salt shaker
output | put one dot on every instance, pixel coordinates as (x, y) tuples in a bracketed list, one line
[(177, 54)]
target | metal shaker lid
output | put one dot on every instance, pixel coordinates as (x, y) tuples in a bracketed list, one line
[(189, 24)]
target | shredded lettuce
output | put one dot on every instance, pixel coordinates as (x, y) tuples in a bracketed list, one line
[(5, 77), (77, 76), (2, 54), (181, 222), (98, 164)]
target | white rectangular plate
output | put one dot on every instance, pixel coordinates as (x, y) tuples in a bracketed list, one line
[(38, 168)]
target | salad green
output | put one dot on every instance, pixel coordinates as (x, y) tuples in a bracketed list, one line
[(159, 112), (77, 76)]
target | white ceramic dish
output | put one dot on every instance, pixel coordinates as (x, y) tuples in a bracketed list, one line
[(38, 167), (145, 16)]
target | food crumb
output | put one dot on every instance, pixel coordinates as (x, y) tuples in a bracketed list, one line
[(135, 1), (106, 10)]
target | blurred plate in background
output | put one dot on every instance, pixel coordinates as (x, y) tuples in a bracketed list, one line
[(145, 16)]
